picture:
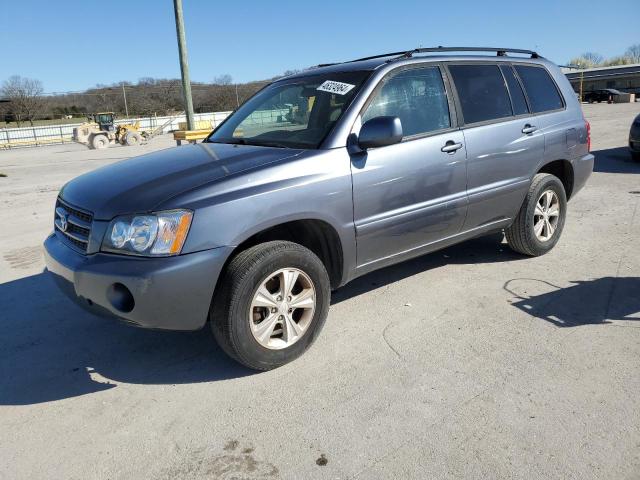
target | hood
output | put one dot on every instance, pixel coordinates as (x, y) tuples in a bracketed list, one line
[(140, 184)]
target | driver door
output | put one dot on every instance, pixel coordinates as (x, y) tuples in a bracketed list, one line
[(409, 195)]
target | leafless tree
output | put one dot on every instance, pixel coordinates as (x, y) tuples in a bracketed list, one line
[(588, 60), (633, 53), (593, 58), (150, 96), (25, 95), (224, 79), (621, 60)]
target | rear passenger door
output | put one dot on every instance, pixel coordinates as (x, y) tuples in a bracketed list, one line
[(410, 194), (559, 125), (503, 143)]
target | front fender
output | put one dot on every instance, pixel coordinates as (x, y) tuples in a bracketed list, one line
[(314, 187)]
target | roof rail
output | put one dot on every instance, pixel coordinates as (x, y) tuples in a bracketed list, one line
[(394, 54), (501, 52)]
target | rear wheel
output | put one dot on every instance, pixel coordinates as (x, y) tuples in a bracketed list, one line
[(99, 141), (539, 224), (272, 304)]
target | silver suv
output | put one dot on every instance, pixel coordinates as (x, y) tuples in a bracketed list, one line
[(319, 178)]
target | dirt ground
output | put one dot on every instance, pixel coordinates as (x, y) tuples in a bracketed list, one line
[(472, 362)]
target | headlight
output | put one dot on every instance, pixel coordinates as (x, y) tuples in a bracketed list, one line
[(159, 234)]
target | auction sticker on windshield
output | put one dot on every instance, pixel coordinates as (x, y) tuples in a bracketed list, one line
[(335, 87)]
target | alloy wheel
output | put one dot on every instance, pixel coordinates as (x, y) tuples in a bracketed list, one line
[(282, 308), (546, 215)]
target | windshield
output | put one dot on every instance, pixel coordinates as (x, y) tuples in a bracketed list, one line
[(296, 113), (104, 118)]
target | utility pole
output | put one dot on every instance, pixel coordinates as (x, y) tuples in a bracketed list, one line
[(184, 63), (577, 67), (124, 94), (581, 81)]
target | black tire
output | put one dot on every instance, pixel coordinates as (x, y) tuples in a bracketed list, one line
[(229, 316), (520, 235), (132, 138), (99, 141)]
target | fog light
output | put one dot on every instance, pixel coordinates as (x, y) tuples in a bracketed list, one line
[(120, 297)]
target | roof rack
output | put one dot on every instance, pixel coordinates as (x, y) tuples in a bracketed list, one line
[(501, 52)]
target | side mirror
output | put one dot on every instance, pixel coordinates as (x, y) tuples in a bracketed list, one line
[(380, 132)]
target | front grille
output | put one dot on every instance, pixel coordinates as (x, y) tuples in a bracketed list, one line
[(73, 225)]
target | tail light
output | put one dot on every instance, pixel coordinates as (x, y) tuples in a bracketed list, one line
[(588, 127)]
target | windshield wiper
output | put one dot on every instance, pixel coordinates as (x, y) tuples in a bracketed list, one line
[(269, 144), (232, 141)]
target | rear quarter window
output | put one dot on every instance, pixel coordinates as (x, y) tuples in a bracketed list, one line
[(541, 90), (518, 100)]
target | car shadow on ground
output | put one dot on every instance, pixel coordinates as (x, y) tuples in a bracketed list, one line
[(615, 160), (486, 249), (51, 349), (590, 302)]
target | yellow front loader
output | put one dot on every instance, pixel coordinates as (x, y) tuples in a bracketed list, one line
[(100, 131)]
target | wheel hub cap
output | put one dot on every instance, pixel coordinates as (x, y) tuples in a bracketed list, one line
[(282, 308), (546, 215)]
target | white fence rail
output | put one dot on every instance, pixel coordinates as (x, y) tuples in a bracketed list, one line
[(56, 134)]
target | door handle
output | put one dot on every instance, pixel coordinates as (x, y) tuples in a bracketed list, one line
[(451, 147), (529, 129)]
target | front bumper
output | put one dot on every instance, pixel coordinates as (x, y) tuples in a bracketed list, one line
[(171, 293)]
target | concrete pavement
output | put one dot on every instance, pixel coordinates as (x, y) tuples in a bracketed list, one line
[(472, 362)]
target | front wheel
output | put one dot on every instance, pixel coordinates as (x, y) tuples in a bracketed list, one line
[(539, 223), (99, 141), (272, 302), (132, 138)]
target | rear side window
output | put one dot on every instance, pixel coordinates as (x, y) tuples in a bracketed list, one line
[(518, 101), (541, 89), (482, 92), (416, 96)]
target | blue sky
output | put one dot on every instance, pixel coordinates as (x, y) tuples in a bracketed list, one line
[(73, 45)]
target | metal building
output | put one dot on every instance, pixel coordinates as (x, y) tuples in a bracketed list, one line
[(625, 78)]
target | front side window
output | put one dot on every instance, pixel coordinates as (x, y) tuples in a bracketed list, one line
[(482, 92), (417, 96), (295, 113), (541, 89)]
